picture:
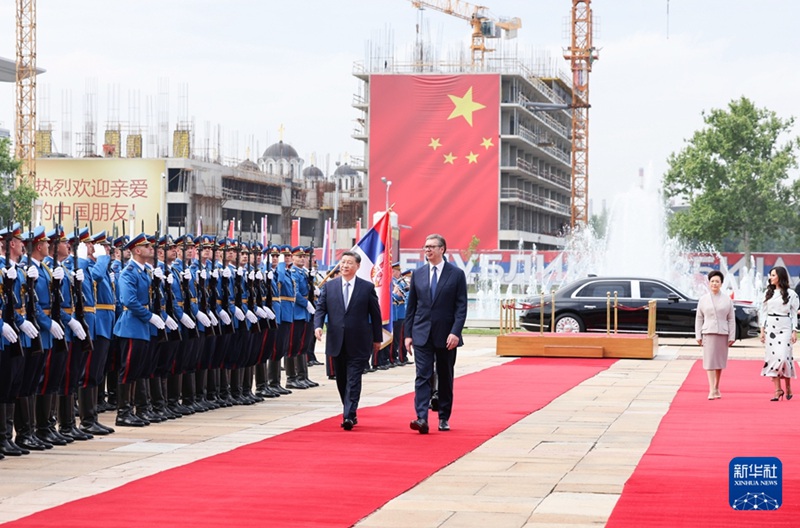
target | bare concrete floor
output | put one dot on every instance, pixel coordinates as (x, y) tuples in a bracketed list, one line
[(564, 465)]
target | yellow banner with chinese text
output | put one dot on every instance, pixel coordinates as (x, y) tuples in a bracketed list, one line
[(101, 191)]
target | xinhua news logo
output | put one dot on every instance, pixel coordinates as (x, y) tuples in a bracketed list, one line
[(755, 483)]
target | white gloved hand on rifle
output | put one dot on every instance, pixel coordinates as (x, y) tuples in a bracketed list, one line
[(157, 321), (170, 323), (32, 273), (9, 334), (158, 273), (77, 329), (251, 317), (224, 317), (203, 319), (187, 321), (56, 331), (238, 313), (58, 273)]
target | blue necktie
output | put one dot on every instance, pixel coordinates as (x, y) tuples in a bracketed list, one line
[(346, 294), (434, 282)]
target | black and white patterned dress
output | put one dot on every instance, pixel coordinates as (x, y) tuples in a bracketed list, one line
[(778, 320)]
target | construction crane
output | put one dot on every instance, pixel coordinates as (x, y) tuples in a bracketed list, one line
[(26, 90), (581, 55), (483, 26)]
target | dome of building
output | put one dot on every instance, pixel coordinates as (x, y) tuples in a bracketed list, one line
[(280, 150), (313, 172), (345, 170), (248, 165)]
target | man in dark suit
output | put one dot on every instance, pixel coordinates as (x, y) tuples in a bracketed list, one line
[(354, 330), (436, 310)]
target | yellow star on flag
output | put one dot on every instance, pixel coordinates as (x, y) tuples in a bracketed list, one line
[(434, 144), (472, 157), (486, 143), (449, 158), (464, 106)]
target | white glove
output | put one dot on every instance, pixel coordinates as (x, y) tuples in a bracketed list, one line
[(112, 276), (251, 317), (316, 291), (170, 279), (270, 313), (158, 273), (33, 272), (238, 313), (77, 329), (215, 273), (56, 331), (203, 318), (58, 273), (270, 275), (187, 274), (240, 271), (203, 274), (261, 312), (310, 308), (214, 320), (9, 334), (79, 275), (82, 251), (251, 276), (170, 323), (28, 329), (100, 250), (187, 321), (259, 275), (11, 273), (226, 272), (224, 317), (157, 321)]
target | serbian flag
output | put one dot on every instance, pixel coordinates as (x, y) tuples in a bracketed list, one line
[(296, 232), (231, 228), (436, 137), (264, 231), (375, 248)]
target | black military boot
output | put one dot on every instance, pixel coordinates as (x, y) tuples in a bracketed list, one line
[(23, 422), (7, 447), (125, 416), (274, 377), (66, 419), (87, 407)]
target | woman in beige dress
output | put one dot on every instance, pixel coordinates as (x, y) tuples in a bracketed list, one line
[(715, 330)]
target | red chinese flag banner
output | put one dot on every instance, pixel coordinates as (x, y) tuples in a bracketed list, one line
[(296, 232), (436, 137)]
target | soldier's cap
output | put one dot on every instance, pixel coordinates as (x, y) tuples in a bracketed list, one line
[(245, 247), (15, 232), (188, 237), (121, 241), (204, 241), (38, 234), (308, 249), (82, 236), (407, 272), (100, 238), (274, 249), (151, 239), (298, 250), (286, 249), (396, 265), (166, 241), (139, 240), (56, 235)]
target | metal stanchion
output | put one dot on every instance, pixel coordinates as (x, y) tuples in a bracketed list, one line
[(608, 313), (553, 311), (541, 315), (616, 312)]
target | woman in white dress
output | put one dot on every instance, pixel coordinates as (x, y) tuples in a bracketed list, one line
[(715, 330), (778, 322)]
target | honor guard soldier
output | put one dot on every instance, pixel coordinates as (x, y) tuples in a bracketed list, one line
[(22, 359), (133, 328), (207, 304), (277, 349), (399, 293)]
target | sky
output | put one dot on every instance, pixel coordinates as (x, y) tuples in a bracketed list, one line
[(253, 68)]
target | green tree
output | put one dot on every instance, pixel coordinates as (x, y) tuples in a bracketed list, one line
[(734, 176), (20, 196)]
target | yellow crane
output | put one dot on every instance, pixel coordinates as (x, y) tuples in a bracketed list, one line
[(26, 90), (483, 25)]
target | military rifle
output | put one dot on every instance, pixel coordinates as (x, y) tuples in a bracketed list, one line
[(225, 293), (211, 291), (77, 290), (31, 299), (155, 286), (187, 293), (9, 297), (251, 291), (238, 290), (56, 296)]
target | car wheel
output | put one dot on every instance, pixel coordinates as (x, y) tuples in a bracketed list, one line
[(569, 323)]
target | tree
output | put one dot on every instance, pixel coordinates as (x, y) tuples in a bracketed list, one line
[(733, 175), (19, 197)]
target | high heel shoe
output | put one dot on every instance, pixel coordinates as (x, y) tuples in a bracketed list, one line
[(789, 395), (778, 395)]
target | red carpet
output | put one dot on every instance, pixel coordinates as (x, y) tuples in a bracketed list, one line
[(320, 475), (682, 480)]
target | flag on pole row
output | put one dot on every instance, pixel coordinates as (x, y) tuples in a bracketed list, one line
[(231, 228), (326, 246), (375, 248), (264, 234), (296, 232), (358, 230)]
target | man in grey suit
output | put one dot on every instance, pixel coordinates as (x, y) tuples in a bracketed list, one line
[(436, 310), (354, 321)]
